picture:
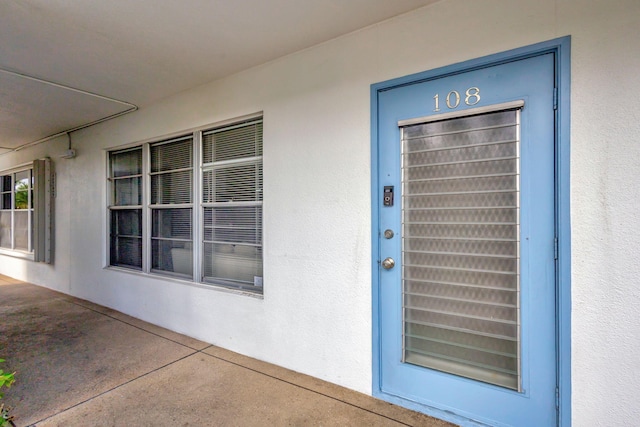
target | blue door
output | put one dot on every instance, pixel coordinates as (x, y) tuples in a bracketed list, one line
[(467, 290)]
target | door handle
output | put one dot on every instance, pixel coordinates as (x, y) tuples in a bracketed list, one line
[(388, 263)]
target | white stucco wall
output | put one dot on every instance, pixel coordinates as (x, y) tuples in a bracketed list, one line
[(315, 316)]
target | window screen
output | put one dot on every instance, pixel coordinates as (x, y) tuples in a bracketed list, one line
[(461, 246)]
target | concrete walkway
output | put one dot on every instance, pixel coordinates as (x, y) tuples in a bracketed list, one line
[(81, 364)]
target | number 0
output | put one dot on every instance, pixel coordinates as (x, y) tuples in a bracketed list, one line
[(449, 99)]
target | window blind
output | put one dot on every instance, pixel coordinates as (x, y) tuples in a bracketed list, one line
[(232, 205), (153, 223), (171, 206), (235, 142)]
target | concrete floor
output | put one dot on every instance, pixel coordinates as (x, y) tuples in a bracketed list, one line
[(81, 364)]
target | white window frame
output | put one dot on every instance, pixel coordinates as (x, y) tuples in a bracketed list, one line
[(29, 253), (113, 206), (157, 207), (196, 204)]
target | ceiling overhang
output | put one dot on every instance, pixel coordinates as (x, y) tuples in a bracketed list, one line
[(34, 110), (66, 64)]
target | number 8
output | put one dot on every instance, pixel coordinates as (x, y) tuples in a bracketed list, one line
[(472, 92)]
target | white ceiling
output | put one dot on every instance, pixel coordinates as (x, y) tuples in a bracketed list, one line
[(135, 52)]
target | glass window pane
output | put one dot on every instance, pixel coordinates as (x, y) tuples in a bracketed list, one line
[(172, 155), (172, 257), (22, 180), (126, 163), (235, 143), (22, 189), (233, 184), (171, 188), (5, 183), (22, 200), (240, 224), (5, 201), (126, 252), (235, 264), (21, 230), (32, 229), (128, 191), (171, 245), (127, 222), (126, 238), (173, 184), (5, 229), (171, 223)]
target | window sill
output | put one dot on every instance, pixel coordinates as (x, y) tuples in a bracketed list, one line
[(17, 254), (207, 285)]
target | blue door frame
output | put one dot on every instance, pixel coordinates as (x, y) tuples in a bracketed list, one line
[(561, 49)]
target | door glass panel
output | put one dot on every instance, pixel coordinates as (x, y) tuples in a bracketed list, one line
[(460, 246)]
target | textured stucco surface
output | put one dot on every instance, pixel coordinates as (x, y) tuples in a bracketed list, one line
[(315, 316)]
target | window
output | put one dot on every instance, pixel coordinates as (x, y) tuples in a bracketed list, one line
[(232, 203), (16, 210), (165, 213), (126, 208), (26, 211), (172, 206)]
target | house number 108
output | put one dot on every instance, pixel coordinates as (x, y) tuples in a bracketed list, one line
[(472, 97)]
